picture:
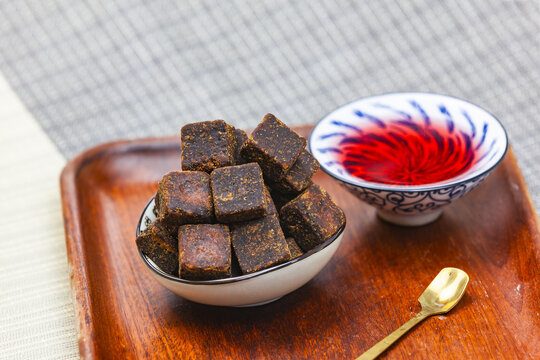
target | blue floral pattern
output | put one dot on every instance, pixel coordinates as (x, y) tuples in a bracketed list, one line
[(412, 202)]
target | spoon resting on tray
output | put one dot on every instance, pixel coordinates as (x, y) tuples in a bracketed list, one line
[(440, 297)]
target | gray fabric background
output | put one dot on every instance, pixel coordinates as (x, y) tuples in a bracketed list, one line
[(100, 70)]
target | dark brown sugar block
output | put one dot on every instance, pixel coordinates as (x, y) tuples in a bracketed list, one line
[(274, 147), (299, 176), (311, 218), (241, 138), (294, 249), (204, 251), (207, 145), (259, 244), (160, 245), (238, 193), (166, 232), (185, 197)]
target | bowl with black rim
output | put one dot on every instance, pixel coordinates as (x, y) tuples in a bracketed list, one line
[(253, 289)]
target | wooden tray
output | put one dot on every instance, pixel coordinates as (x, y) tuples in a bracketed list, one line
[(368, 289)]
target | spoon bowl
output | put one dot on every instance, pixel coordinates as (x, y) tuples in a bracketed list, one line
[(444, 292)]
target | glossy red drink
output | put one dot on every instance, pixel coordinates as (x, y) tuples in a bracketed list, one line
[(405, 153)]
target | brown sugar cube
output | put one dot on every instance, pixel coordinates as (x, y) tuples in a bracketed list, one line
[(274, 147), (299, 176), (207, 145), (294, 248), (259, 244), (245, 246), (204, 251), (311, 218), (185, 197), (167, 232), (241, 138), (238, 193), (160, 245)]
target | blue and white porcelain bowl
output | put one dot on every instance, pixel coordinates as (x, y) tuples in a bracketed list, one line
[(479, 133)]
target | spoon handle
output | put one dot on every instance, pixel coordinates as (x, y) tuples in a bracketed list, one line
[(382, 345)]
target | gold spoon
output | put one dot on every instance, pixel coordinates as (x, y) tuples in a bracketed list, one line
[(440, 297)]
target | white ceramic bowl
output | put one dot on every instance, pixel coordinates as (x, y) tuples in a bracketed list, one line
[(253, 289), (411, 205)]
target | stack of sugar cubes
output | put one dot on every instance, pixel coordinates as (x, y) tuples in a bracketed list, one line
[(219, 213)]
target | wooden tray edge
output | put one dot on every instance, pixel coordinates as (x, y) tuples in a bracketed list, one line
[(78, 272), (528, 205)]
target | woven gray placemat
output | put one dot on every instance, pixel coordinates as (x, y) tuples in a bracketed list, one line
[(95, 71)]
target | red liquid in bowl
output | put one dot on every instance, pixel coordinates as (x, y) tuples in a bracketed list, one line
[(406, 153)]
